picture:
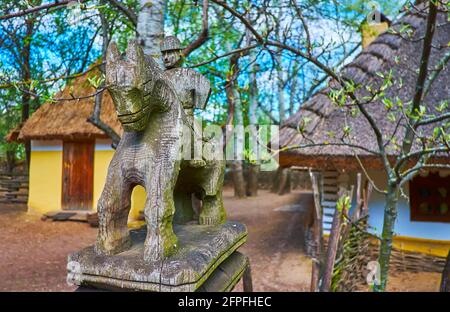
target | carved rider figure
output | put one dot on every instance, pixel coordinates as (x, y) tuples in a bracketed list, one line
[(193, 90)]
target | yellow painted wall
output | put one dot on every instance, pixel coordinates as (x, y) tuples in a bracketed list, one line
[(138, 198), (46, 181), (101, 163), (102, 159), (433, 247)]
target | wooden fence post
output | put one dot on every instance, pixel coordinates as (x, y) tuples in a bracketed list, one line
[(366, 196), (317, 232), (359, 198), (342, 207), (247, 279)]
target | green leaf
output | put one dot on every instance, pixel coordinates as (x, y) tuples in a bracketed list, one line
[(347, 130), (388, 103)]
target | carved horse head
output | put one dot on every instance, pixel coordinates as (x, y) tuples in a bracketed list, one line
[(131, 80)]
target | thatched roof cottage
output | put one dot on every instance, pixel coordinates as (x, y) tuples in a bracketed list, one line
[(422, 226), (69, 155)]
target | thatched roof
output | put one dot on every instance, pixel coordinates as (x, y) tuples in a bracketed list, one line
[(67, 119), (13, 134), (323, 121)]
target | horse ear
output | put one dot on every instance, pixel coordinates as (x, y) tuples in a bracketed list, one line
[(112, 54), (134, 52)]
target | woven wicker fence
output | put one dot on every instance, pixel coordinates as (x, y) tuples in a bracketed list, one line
[(350, 269), (358, 249)]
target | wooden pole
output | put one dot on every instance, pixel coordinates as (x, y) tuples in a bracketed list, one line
[(341, 208), (247, 279), (359, 198), (366, 196), (345, 227), (317, 232)]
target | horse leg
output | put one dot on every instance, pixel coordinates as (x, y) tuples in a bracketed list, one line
[(184, 212), (161, 241), (213, 211), (113, 208)]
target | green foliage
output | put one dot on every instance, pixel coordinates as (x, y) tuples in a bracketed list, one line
[(67, 41), (343, 203), (62, 43)]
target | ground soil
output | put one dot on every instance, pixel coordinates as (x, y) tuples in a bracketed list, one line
[(34, 252)]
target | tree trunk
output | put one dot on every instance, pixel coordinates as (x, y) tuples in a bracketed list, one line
[(150, 27), (280, 85), (276, 181), (96, 112), (280, 72), (390, 215), (252, 180), (285, 182), (26, 76), (237, 166), (238, 178), (235, 118), (293, 94), (253, 170)]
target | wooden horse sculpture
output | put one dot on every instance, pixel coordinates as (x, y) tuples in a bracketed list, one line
[(150, 154)]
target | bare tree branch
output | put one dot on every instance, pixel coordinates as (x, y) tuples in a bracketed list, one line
[(441, 65), (423, 73), (125, 10), (428, 121), (236, 51), (55, 5), (242, 18), (10, 84), (300, 146), (326, 69), (95, 118), (203, 35)]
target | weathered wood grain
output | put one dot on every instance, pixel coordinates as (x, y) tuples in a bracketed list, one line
[(149, 103), (78, 185), (13, 188), (227, 274), (223, 279), (201, 250)]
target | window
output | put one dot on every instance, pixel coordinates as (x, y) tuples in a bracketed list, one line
[(430, 198)]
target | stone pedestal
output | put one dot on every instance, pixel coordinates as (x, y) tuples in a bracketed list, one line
[(202, 249)]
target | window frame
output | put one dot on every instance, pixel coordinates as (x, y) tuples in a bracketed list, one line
[(431, 182)]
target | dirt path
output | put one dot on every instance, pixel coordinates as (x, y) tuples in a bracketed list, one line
[(33, 252), (276, 238)]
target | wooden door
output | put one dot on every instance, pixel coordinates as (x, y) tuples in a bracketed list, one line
[(78, 173)]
